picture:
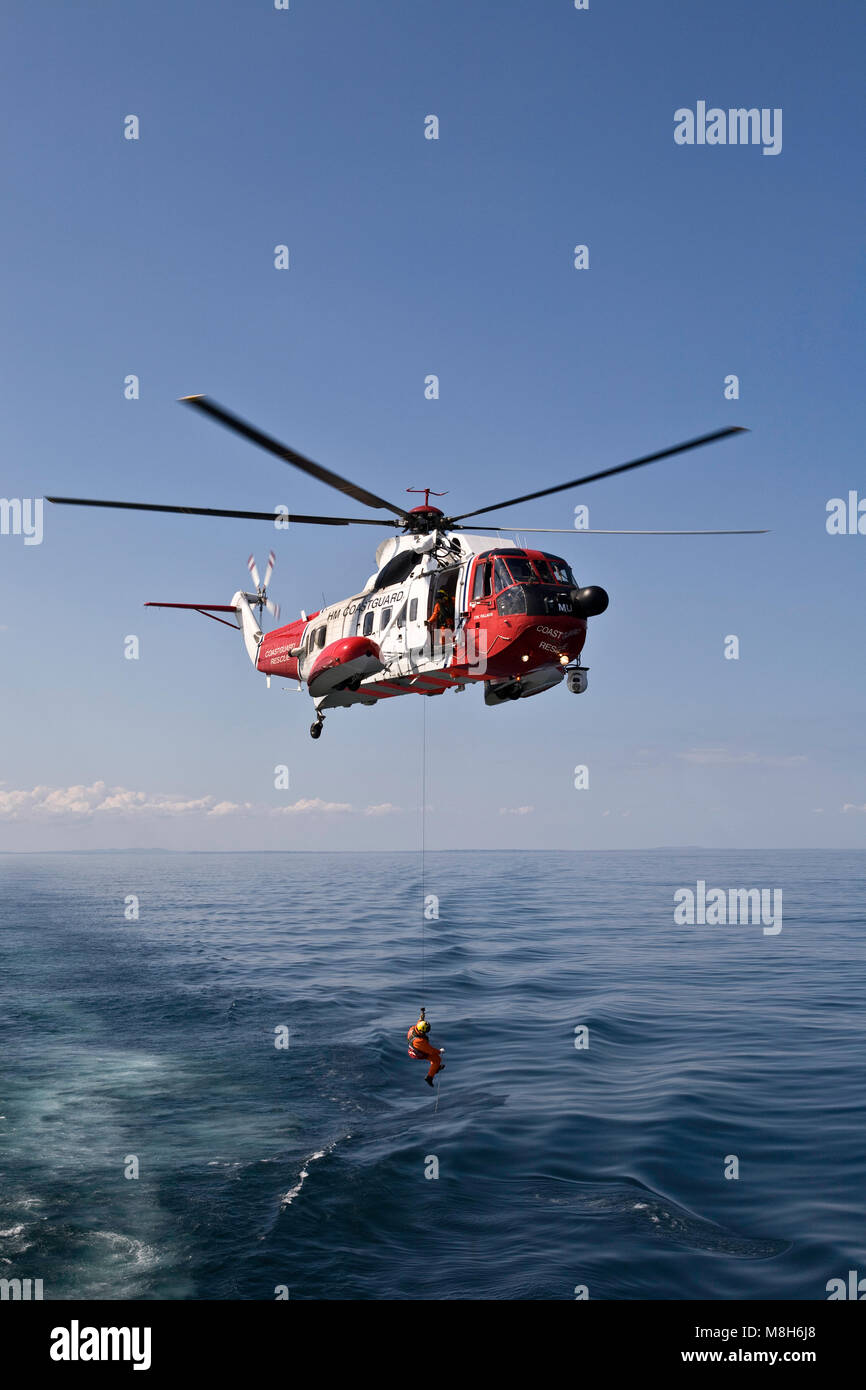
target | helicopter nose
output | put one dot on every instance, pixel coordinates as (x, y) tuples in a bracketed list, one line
[(589, 602)]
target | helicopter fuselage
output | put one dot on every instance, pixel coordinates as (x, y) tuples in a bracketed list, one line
[(440, 612)]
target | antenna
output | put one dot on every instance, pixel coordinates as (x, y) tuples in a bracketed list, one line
[(428, 493)]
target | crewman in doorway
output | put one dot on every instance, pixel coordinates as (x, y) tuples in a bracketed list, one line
[(441, 620), (443, 611), (422, 1050)]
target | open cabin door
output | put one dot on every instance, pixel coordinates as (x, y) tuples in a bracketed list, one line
[(442, 615)]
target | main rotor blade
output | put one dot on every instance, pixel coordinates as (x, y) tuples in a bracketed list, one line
[(609, 472), (594, 531), (221, 511), (282, 451)]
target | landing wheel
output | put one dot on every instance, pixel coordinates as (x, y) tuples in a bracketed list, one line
[(316, 729)]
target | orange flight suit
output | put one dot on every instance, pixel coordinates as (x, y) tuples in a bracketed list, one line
[(443, 613), (421, 1050)]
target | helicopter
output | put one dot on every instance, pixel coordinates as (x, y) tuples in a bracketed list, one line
[(446, 607)]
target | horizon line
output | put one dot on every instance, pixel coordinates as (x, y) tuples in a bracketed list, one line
[(478, 849)]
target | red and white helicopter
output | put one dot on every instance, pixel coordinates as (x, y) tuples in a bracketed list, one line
[(444, 608)]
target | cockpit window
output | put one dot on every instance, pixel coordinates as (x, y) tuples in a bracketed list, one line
[(545, 571), (521, 570), (561, 571)]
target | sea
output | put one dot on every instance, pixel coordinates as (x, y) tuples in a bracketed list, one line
[(206, 1092)]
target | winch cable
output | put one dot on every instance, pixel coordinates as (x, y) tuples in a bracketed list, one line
[(423, 868), (423, 838)]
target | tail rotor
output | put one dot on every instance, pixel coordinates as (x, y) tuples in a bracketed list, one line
[(260, 599)]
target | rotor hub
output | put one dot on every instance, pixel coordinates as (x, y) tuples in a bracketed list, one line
[(424, 519)]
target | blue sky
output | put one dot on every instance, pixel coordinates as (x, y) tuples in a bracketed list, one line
[(454, 257)]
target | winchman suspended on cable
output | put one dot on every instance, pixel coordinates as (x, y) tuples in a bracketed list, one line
[(422, 1050)]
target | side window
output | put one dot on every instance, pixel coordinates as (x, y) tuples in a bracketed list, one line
[(501, 578), (368, 624), (384, 619), (320, 636), (481, 581), (413, 610)]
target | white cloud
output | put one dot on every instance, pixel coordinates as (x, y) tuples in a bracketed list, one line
[(516, 810), (306, 805), (85, 802), (122, 801), (81, 801), (851, 806)]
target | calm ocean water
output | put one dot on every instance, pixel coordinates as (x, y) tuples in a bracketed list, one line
[(305, 1167)]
